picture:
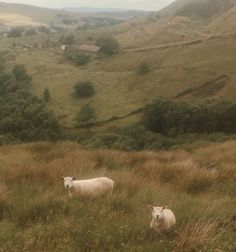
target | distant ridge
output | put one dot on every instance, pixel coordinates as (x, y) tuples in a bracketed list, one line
[(36, 13), (100, 10)]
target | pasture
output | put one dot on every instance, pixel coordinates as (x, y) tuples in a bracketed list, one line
[(15, 19), (198, 184)]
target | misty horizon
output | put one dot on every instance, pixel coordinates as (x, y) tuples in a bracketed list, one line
[(149, 5)]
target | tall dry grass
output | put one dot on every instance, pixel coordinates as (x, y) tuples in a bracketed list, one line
[(197, 184), (3, 193), (197, 236)]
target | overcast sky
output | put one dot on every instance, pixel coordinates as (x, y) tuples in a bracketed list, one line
[(124, 4)]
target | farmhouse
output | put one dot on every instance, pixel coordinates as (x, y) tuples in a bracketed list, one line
[(88, 49)]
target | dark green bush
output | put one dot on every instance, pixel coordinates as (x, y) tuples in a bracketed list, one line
[(173, 118), (143, 69), (16, 32), (108, 45), (46, 95), (31, 32), (23, 116), (86, 116), (20, 73), (78, 59), (84, 89), (44, 29), (68, 39)]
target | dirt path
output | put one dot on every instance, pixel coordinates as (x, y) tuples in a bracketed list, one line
[(182, 43)]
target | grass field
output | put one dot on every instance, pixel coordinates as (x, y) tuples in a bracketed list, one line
[(198, 184), (20, 12), (119, 88), (14, 19)]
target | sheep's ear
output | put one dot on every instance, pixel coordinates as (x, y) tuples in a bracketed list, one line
[(74, 178), (152, 207), (164, 207)]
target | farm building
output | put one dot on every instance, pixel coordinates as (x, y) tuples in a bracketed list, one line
[(88, 49)]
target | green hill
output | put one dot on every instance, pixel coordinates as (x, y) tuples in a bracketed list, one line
[(197, 9), (33, 13), (181, 53)]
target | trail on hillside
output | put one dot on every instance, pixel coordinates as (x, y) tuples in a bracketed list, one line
[(182, 43)]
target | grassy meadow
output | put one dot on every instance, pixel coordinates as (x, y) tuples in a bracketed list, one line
[(197, 183), (119, 89)]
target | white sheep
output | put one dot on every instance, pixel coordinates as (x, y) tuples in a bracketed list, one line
[(88, 189), (162, 219)]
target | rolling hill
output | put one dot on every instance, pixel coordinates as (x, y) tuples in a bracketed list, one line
[(225, 23), (184, 55), (197, 9), (21, 14)]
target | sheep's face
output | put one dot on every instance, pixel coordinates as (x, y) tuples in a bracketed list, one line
[(68, 182), (157, 212)]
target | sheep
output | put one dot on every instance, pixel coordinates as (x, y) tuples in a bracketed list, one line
[(163, 219), (88, 189)]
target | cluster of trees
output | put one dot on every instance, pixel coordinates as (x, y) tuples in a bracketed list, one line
[(16, 32), (137, 138), (23, 115), (67, 39), (95, 22), (173, 117), (21, 31)]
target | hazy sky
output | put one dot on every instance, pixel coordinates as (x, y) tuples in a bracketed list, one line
[(125, 4)]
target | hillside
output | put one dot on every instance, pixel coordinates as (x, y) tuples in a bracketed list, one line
[(226, 23), (20, 14), (183, 55), (152, 31), (197, 184), (174, 70), (197, 9)]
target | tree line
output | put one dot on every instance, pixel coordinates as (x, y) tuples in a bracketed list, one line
[(170, 117), (23, 115)]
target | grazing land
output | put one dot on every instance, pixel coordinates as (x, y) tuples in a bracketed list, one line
[(183, 53), (14, 19), (36, 214)]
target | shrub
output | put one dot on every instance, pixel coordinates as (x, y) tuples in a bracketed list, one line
[(108, 45), (23, 116), (46, 95), (68, 39), (31, 32), (44, 29), (106, 140), (84, 89), (86, 116), (144, 68), (20, 73), (16, 32), (82, 59), (79, 59), (173, 118)]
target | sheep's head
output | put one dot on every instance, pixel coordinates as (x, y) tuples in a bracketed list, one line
[(68, 182), (157, 212)]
